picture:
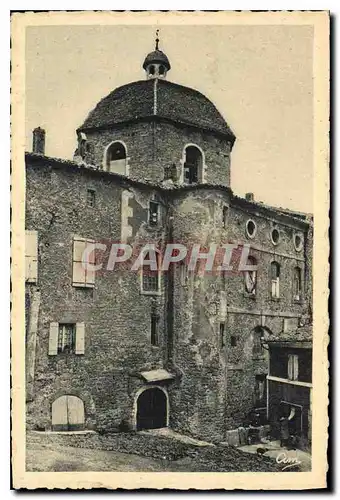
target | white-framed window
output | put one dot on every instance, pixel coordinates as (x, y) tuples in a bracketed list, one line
[(293, 366), (251, 229), (275, 279), (297, 284), (250, 277), (275, 236), (31, 256), (82, 274), (66, 338)]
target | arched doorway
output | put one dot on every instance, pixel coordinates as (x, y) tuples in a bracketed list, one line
[(152, 409), (68, 414)]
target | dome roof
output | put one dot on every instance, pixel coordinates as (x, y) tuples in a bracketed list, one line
[(146, 99), (158, 57)]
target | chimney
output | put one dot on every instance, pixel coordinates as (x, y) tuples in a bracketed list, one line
[(250, 196), (39, 141)]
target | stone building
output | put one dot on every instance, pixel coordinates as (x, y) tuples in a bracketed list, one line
[(121, 349)]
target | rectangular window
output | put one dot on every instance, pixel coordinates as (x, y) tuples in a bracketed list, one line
[(293, 366), (184, 273), (153, 213), (275, 276), (151, 278), (297, 284), (154, 329), (260, 390), (91, 198), (250, 277), (233, 341), (225, 216), (83, 275), (66, 337), (222, 332), (31, 256)]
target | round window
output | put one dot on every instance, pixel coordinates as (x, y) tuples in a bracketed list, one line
[(298, 242), (275, 236), (250, 228)]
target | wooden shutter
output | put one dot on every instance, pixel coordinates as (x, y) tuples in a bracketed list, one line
[(75, 413), (79, 278), (31, 256), (82, 276), (290, 366), (295, 367), (59, 414), (80, 338), (53, 339)]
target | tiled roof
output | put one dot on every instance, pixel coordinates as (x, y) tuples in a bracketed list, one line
[(161, 98)]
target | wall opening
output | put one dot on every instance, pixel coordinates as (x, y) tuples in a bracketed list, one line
[(68, 414), (193, 165), (116, 158), (152, 409)]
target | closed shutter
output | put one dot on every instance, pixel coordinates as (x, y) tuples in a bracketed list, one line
[(296, 367), (82, 275), (75, 413), (80, 338), (53, 340)]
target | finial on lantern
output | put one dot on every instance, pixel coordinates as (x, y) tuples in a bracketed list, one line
[(157, 39)]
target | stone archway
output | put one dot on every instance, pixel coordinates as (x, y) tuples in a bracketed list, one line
[(152, 409)]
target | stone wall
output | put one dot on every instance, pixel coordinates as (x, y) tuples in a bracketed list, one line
[(115, 313), (213, 389), (153, 146)]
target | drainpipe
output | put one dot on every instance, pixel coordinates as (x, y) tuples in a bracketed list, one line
[(170, 298)]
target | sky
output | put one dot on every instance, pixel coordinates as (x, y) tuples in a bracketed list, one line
[(259, 77)]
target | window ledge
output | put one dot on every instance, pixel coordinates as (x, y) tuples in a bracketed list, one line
[(275, 299), (145, 292), (249, 295), (82, 285)]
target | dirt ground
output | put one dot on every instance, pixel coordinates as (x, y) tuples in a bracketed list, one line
[(58, 458)]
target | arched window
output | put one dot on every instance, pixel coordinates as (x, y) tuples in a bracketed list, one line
[(297, 284), (116, 158), (193, 165), (275, 276), (68, 414), (250, 277)]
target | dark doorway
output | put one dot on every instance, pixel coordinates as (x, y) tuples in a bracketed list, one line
[(151, 409)]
